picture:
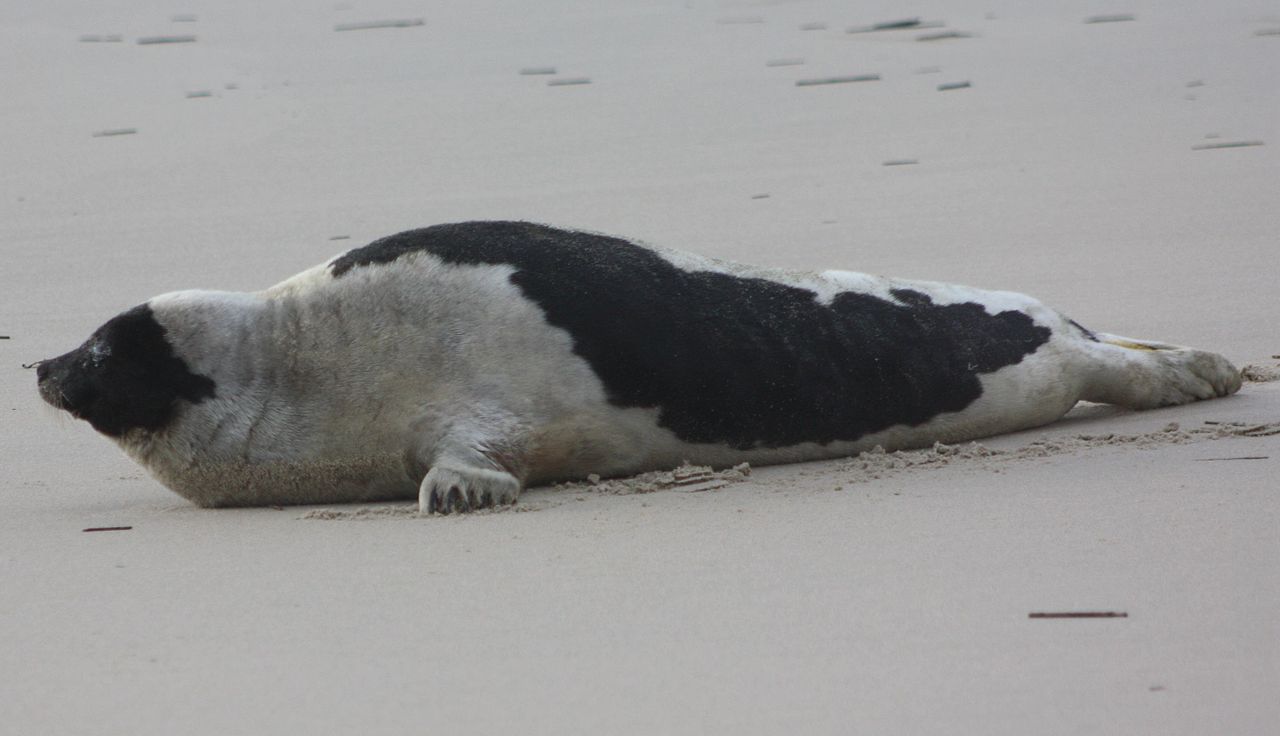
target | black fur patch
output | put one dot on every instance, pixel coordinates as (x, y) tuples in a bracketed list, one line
[(742, 361), (125, 376)]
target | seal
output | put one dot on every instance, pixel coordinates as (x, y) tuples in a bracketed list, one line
[(462, 362)]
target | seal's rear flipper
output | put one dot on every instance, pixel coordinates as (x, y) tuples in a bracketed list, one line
[(1142, 374)]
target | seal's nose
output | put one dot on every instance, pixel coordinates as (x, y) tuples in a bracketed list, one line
[(62, 383), (47, 382)]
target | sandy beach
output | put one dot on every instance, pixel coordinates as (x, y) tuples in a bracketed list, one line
[(1118, 162)]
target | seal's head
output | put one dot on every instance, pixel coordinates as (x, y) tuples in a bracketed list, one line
[(125, 377)]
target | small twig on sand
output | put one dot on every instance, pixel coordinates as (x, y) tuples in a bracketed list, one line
[(1227, 144), (945, 35), (153, 40), (837, 80), (369, 25), (1260, 430), (906, 24), (1117, 18), (1080, 614)]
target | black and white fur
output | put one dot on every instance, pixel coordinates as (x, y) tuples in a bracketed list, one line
[(462, 362)]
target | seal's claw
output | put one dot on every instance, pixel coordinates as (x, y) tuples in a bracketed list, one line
[(449, 489)]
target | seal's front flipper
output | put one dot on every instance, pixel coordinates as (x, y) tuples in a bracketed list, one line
[(450, 487), (474, 461)]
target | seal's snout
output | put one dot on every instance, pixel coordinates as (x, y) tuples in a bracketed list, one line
[(47, 387), (64, 384)]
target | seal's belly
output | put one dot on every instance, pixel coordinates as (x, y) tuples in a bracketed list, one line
[(380, 477)]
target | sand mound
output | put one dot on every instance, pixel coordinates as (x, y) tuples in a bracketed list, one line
[(688, 478), (1257, 373)]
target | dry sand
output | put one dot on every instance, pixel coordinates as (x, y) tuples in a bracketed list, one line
[(1098, 165)]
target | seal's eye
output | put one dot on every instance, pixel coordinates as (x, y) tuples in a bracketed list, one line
[(98, 353)]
